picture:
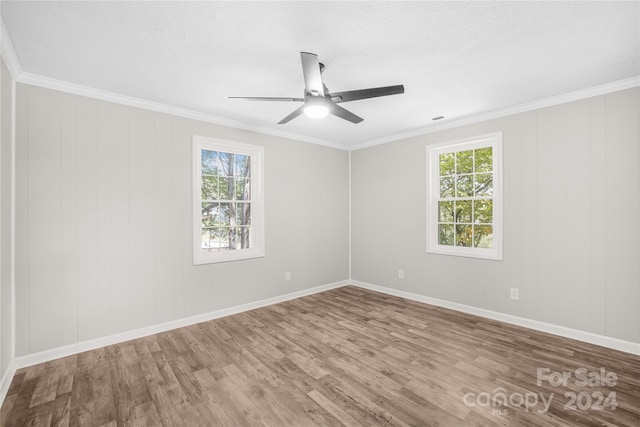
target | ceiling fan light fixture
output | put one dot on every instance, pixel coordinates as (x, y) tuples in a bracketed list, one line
[(316, 110), (318, 101)]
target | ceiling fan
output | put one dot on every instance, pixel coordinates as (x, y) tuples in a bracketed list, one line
[(318, 101)]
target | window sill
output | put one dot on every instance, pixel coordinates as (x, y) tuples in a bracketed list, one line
[(217, 257), (466, 252)]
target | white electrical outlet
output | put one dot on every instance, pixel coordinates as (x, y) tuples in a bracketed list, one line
[(515, 294), (400, 274), (287, 276)]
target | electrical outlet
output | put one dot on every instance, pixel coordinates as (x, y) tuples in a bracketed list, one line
[(515, 294), (287, 276), (400, 274)]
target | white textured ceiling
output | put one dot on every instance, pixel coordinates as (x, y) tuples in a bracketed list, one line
[(455, 59)]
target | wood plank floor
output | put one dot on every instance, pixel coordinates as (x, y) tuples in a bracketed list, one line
[(343, 357)]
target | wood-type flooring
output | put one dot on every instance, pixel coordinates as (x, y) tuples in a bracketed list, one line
[(348, 356)]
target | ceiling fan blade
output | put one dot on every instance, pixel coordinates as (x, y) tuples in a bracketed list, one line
[(354, 95), (264, 98), (312, 76), (343, 113), (293, 115)]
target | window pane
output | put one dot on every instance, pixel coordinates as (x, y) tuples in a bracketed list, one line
[(233, 214), (234, 241), (210, 214), (242, 168), (243, 214), (463, 211), (238, 238), (483, 236), (484, 184), (445, 234), (223, 164), (445, 212), (464, 186), (230, 238), (223, 232), (464, 235), (226, 188), (210, 239), (243, 187), (207, 220), (225, 214), (235, 238), (447, 164), (243, 237), (484, 159), (483, 211), (247, 173), (464, 161), (446, 186), (209, 161), (209, 187)]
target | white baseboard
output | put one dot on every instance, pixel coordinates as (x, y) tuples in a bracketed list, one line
[(56, 353), (601, 340)]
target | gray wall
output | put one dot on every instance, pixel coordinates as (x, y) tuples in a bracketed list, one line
[(571, 204), (103, 212), (103, 219), (5, 218)]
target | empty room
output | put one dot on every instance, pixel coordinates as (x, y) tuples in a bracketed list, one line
[(319, 213)]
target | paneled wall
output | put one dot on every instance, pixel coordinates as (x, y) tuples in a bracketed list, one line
[(571, 206), (6, 325), (103, 219), (104, 222)]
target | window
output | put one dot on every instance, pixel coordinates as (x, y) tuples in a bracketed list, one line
[(228, 201), (465, 197)]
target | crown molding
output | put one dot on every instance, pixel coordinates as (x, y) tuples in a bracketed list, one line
[(503, 112), (131, 101), (11, 59), (63, 86), (8, 53)]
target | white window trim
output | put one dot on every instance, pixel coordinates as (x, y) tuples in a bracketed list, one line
[(433, 184), (256, 249)]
